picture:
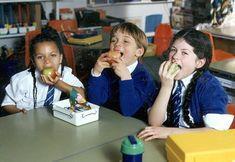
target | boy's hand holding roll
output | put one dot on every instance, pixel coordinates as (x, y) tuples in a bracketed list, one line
[(112, 55)]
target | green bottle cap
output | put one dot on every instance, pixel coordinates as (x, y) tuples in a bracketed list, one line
[(131, 145), (72, 97)]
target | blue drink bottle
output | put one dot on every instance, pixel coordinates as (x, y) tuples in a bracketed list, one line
[(132, 149)]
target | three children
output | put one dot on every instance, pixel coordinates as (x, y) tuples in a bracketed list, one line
[(190, 98)]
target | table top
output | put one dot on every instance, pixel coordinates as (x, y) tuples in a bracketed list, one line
[(225, 33), (38, 136), (226, 66), (103, 45), (154, 151)]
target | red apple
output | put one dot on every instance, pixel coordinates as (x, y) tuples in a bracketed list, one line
[(113, 55), (49, 71)]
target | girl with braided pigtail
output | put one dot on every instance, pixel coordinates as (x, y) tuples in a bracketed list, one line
[(29, 89), (190, 98)]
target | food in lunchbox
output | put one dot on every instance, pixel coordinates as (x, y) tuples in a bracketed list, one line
[(78, 102)]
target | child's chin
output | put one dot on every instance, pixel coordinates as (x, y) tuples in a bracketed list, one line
[(178, 77)]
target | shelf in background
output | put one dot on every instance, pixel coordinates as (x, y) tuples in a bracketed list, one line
[(16, 1), (12, 35), (93, 4)]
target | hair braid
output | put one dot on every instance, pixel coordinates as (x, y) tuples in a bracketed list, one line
[(169, 121), (187, 99), (32, 70), (186, 103)]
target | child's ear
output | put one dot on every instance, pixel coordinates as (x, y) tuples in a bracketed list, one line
[(200, 63), (139, 52)]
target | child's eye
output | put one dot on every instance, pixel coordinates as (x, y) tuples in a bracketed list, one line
[(53, 55), (184, 53), (173, 50), (126, 41), (39, 57), (113, 40)]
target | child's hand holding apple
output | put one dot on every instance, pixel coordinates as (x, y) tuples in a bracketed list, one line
[(49, 75)]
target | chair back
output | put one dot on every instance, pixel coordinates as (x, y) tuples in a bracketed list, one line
[(28, 37), (212, 45), (66, 25), (151, 23), (63, 25), (107, 29), (162, 38), (218, 54)]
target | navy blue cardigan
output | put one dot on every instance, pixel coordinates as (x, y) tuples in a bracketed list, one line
[(209, 97), (126, 97)]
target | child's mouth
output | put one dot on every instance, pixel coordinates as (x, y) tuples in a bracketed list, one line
[(179, 66)]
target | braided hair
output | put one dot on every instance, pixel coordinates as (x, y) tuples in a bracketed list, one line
[(48, 34), (203, 49)]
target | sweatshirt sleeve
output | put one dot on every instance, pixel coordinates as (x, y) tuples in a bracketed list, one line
[(135, 93), (213, 99), (97, 89)]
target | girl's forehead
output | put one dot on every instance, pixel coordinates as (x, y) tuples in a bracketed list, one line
[(182, 44), (48, 46), (48, 43)]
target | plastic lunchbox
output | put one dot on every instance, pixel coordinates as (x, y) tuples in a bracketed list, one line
[(207, 146), (62, 110)]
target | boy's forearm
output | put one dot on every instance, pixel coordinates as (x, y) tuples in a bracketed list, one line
[(97, 90)]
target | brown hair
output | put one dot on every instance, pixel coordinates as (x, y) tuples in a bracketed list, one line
[(134, 31)]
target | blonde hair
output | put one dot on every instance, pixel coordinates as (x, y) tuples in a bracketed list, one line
[(134, 31)]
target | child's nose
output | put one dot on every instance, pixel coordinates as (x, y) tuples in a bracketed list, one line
[(117, 44), (176, 55), (47, 60)]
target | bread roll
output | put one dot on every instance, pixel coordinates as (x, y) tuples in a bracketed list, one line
[(113, 55)]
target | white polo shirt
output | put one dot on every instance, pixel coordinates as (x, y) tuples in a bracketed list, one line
[(19, 91)]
